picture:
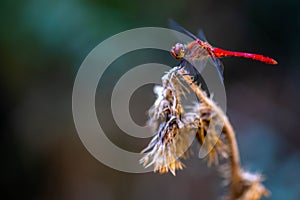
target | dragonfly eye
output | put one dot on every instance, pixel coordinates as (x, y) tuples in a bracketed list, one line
[(178, 51)]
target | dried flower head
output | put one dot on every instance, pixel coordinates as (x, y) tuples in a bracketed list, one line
[(175, 129), (248, 186), (172, 137)]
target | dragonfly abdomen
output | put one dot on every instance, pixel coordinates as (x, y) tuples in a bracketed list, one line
[(224, 53)]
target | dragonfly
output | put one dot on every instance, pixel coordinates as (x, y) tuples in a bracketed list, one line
[(200, 51)]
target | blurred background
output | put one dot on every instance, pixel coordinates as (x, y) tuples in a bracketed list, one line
[(42, 45)]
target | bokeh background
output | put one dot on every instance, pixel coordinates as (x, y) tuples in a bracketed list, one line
[(43, 43)]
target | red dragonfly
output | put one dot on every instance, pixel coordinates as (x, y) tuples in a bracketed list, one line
[(201, 50)]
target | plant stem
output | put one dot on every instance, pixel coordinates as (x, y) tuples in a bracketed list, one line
[(228, 130)]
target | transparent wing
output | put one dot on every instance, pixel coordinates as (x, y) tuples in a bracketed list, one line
[(175, 26), (201, 35), (218, 63), (196, 64), (220, 67), (195, 74)]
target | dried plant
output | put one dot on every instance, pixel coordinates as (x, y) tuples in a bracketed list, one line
[(176, 127)]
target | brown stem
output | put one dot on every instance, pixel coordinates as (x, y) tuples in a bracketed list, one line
[(228, 130)]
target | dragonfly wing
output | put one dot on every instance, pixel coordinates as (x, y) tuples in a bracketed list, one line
[(218, 63), (194, 73), (220, 68), (201, 35), (175, 26), (198, 64)]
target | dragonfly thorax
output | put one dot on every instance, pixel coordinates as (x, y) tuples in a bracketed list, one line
[(178, 50)]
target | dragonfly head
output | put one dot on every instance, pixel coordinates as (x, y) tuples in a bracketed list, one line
[(178, 51)]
